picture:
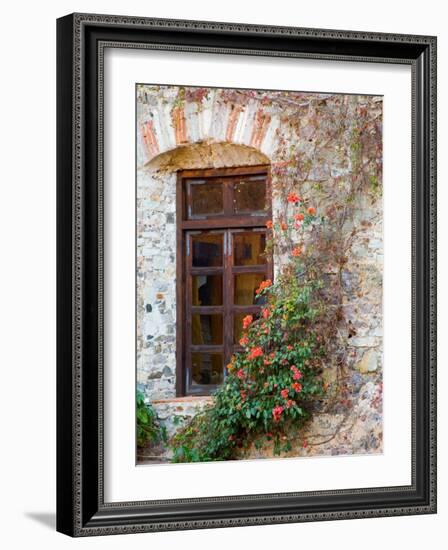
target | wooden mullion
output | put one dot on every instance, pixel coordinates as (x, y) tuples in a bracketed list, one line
[(228, 300), (188, 316), (207, 348), (238, 269), (202, 390), (207, 270), (240, 310), (225, 222), (223, 172), (206, 310), (180, 285)]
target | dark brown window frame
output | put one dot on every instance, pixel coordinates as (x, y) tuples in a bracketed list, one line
[(228, 223)]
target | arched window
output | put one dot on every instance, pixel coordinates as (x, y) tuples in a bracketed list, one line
[(221, 261)]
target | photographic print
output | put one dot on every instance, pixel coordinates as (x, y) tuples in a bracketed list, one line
[(259, 269)]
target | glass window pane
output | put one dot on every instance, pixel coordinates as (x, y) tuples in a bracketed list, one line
[(207, 290), (245, 286), (207, 249), (248, 248), (249, 195), (206, 330), (206, 368), (206, 199)]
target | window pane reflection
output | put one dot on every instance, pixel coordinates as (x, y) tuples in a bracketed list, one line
[(207, 249), (250, 195), (206, 330), (245, 286), (248, 248), (206, 368), (207, 290), (206, 199)]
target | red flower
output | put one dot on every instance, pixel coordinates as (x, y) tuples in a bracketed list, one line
[(311, 211), (289, 403), (305, 444), (289, 347), (269, 224), (240, 374), (297, 387), (255, 352), (297, 251), (299, 217), (297, 374), (265, 312), (247, 321), (293, 197), (284, 393), (277, 412)]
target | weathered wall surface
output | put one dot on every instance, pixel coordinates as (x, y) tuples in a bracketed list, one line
[(324, 147)]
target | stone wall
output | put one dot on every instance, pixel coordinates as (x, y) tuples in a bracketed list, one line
[(316, 144)]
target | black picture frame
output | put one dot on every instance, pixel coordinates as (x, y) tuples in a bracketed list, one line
[(81, 510)]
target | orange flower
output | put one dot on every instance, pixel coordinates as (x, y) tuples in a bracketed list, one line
[(263, 285), (284, 226), (284, 393), (269, 224), (244, 340), (297, 387), (293, 197), (247, 321), (297, 252), (299, 217), (311, 211), (255, 352)]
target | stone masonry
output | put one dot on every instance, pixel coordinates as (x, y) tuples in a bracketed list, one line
[(181, 128)]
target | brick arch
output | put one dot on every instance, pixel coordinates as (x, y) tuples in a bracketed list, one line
[(164, 128)]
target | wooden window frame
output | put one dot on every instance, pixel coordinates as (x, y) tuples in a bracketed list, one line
[(228, 223)]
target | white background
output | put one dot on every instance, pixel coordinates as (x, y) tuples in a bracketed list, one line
[(27, 230), (125, 482)]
